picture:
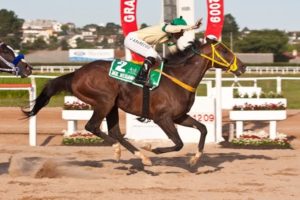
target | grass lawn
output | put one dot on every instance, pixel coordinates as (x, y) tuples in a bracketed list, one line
[(291, 89)]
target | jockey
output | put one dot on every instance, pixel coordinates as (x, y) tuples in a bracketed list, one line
[(143, 42)]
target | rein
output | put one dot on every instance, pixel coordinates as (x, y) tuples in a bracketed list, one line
[(177, 81)]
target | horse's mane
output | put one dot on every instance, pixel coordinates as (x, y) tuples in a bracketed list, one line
[(181, 57)]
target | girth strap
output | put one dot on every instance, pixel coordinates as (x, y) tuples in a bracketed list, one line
[(145, 105)]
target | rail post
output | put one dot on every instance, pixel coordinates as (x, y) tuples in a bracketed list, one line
[(219, 137), (32, 120), (278, 85)]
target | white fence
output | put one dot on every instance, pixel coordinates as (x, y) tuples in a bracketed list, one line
[(273, 70), (207, 81), (238, 80), (249, 69), (31, 88), (55, 69)]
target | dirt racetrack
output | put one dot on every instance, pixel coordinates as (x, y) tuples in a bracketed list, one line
[(52, 171)]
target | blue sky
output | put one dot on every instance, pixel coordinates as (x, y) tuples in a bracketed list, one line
[(255, 14)]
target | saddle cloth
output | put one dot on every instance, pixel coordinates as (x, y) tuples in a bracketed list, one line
[(127, 71)]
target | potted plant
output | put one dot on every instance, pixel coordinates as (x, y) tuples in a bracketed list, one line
[(266, 111), (259, 99), (258, 112), (76, 110), (261, 139)]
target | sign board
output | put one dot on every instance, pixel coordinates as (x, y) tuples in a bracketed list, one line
[(128, 10), (203, 110), (87, 55), (215, 18)]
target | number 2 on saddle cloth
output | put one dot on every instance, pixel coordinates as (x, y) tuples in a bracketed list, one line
[(127, 71)]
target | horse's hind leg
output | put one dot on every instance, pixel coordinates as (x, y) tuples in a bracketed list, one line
[(167, 125), (114, 131), (93, 125), (188, 121)]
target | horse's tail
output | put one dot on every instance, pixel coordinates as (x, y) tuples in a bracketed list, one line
[(53, 87)]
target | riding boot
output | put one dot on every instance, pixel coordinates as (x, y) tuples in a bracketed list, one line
[(142, 77)]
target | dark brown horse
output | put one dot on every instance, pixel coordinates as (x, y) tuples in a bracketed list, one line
[(12, 63), (169, 103)]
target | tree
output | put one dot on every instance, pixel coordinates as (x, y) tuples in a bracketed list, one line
[(81, 44), (265, 41), (88, 26), (53, 43), (64, 29), (10, 28), (64, 44), (111, 29), (119, 43), (230, 32), (39, 44)]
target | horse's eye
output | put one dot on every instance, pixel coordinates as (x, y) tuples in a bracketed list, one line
[(5, 50), (224, 51)]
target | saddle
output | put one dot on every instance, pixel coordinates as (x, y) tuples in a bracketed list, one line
[(127, 71)]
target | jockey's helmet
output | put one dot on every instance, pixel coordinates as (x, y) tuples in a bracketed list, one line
[(178, 21)]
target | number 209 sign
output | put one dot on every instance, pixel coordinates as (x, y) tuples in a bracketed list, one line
[(203, 111)]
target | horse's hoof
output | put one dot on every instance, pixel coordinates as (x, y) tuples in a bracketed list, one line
[(147, 147), (117, 153), (193, 161), (146, 161)]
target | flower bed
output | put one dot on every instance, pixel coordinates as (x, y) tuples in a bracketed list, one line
[(265, 106), (270, 95), (76, 105), (82, 139), (261, 139)]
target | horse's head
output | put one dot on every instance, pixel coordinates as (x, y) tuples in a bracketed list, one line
[(221, 56), (12, 63)]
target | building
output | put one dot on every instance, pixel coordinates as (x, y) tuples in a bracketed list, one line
[(34, 29), (256, 57), (73, 40)]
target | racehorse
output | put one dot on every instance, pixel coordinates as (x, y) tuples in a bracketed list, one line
[(169, 103), (12, 63)]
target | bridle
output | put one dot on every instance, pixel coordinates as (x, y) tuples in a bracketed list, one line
[(232, 65), (12, 66)]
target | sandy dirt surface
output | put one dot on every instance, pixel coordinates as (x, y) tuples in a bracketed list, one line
[(52, 171)]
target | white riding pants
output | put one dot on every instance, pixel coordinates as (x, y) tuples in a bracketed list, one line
[(133, 43)]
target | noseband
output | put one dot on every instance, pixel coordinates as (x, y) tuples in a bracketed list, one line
[(12, 66)]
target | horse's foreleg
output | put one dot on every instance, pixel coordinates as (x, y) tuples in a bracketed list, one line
[(114, 131), (168, 126), (93, 126), (191, 122)]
